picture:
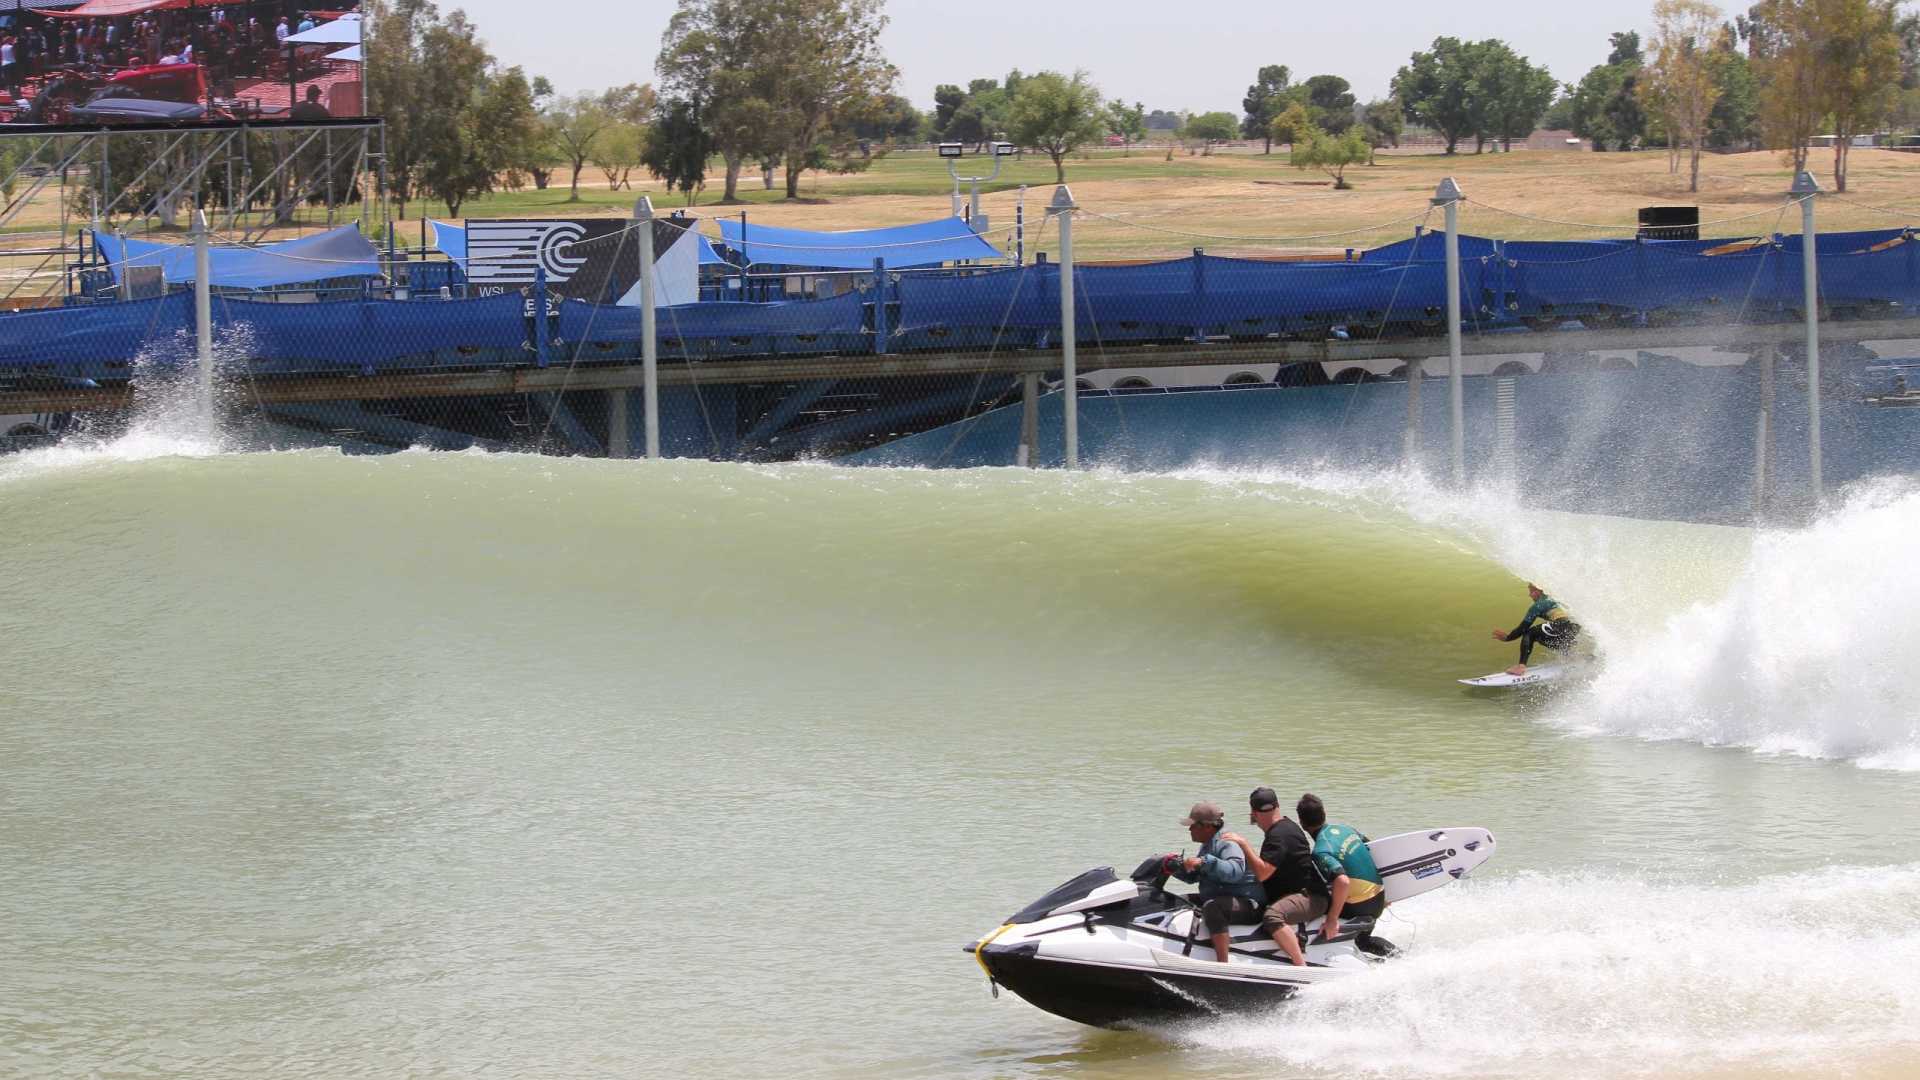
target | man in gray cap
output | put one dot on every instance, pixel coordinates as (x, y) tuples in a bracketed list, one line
[(1228, 890)]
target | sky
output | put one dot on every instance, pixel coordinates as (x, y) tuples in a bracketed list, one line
[(1198, 56)]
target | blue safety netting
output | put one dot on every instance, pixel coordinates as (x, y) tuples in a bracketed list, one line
[(336, 253), (929, 243), (1505, 286), (103, 341)]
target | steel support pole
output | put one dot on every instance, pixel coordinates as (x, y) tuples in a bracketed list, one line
[(1805, 187), (126, 264), (1416, 368), (649, 335), (1029, 419), (203, 304), (619, 442), (1763, 434), (1063, 207), (1448, 196), (1020, 229)]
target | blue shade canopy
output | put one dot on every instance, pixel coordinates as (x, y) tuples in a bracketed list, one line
[(336, 253), (451, 239), (351, 53), (929, 243)]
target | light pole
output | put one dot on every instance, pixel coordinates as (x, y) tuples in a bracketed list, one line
[(952, 152)]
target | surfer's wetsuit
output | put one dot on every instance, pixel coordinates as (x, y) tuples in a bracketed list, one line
[(1546, 623)]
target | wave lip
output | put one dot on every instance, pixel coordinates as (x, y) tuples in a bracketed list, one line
[(1813, 649)]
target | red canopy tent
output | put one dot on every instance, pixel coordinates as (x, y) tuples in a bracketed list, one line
[(100, 9)]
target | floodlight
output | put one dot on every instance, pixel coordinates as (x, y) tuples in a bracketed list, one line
[(952, 149), (1003, 149)]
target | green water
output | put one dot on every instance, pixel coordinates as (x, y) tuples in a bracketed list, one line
[(464, 765)]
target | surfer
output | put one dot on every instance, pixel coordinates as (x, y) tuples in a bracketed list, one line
[(1545, 623)]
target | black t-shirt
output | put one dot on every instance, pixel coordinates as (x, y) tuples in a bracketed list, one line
[(1291, 853)]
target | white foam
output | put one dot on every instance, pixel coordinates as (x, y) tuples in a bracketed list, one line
[(172, 418), (1814, 648), (1557, 976)]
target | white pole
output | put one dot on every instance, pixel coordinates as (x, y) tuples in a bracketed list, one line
[(1063, 207), (649, 339), (1449, 196), (203, 306), (1805, 187), (126, 266)]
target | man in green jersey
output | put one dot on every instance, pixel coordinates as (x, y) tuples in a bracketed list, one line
[(1545, 623), (1342, 855)]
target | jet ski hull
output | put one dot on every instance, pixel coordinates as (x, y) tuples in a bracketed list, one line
[(1123, 997)]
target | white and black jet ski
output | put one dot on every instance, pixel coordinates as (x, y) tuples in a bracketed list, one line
[(1123, 952)]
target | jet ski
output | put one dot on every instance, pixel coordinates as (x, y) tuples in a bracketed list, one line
[(1118, 952)]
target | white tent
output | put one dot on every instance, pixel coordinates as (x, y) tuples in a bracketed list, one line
[(341, 31)]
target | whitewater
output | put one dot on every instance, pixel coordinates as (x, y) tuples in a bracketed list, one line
[(354, 766)]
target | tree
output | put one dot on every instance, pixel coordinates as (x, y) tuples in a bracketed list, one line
[(616, 152), (1434, 90), (506, 126), (711, 57), (947, 99), (889, 117), (676, 148), (1783, 42), (1625, 48), (1291, 126), (1605, 107), (1057, 115), (426, 75), (1382, 125), (1559, 115), (1679, 79), (575, 124), (1860, 76), (1332, 154), (1510, 92), (1129, 123), (816, 57), (1330, 102), (1734, 122), (1266, 99), (1213, 127)]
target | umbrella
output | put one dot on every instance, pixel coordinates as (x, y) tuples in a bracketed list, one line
[(351, 53)]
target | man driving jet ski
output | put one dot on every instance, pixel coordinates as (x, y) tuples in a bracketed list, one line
[(1228, 891)]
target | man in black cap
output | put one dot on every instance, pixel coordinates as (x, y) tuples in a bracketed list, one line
[(1296, 891)]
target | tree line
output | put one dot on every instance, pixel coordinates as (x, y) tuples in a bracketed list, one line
[(787, 86), (1771, 77)]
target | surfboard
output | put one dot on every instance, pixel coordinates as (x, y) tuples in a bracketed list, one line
[(1417, 862), (1533, 677)]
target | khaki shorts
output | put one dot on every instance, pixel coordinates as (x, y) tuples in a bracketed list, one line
[(1293, 909)]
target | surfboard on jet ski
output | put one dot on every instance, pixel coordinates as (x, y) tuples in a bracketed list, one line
[(1125, 952), (1501, 680)]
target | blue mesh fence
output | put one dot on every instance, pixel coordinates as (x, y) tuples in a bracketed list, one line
[(935, 364)]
